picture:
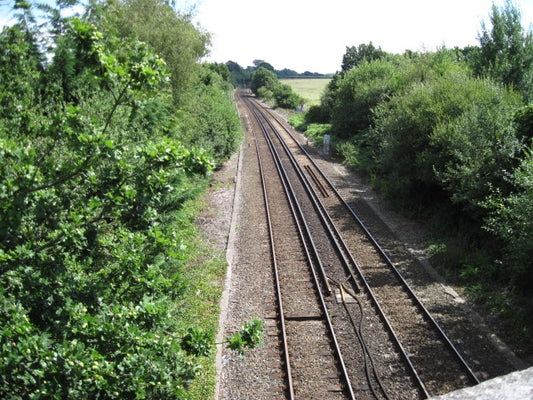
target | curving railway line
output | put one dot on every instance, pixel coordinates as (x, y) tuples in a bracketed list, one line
[(346, 323)]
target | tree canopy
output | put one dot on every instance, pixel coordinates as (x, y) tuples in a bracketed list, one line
[(355, 55), (106, 134), (506, 50), (264, 84)]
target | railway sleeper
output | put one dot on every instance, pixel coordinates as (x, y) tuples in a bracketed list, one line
[(303, 317)]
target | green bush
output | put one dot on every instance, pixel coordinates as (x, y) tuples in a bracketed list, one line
[(358, 92), (298, 121), (417, 137), (453, 147), (250, 335), (317, 114), (210, 121), (263, 78), (511, 219), (265, 85), (94, 180), (285, 97), (316, 132), (471, 154)]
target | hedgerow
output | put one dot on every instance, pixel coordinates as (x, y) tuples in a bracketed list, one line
[(93, 259)]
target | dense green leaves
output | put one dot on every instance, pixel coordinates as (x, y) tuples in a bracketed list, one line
[(356, 55), (96, 166), (506, 51), (265, 85), (210, 121), (263, 78), (173, 36), (285, 97), (449, 134), (250, 336), (511, 219), (357, 93)]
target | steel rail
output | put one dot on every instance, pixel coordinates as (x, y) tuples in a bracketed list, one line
[(348, 261), (316, 257), (276, 273), (472, 376), (299, 216)]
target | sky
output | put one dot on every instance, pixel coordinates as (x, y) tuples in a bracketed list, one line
[(306, 35), (312, 35)]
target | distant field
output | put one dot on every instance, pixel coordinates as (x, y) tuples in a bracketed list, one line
[(309, 89)]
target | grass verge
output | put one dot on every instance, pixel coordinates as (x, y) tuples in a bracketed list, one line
[(203, 270)]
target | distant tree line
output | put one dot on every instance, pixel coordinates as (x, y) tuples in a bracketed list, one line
[(447, 135), (241, 77)]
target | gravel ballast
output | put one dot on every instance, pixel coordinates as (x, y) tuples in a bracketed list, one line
[(235, 222)]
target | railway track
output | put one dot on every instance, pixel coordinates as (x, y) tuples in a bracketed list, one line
[(344, 310), (302, 312)]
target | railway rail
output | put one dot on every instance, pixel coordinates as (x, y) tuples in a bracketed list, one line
[(301, 305), (336, 287)]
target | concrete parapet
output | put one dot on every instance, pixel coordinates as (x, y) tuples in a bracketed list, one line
[(514, 386)]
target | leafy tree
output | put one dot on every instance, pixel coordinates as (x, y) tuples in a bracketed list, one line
[(221, 69), (261, 63), (264, 93), (172, 35), (265, 84), (287, 73), (524, 123), (24, 14), (238, 76), (209, 122), (317, 114), (93, 174), (263, 77), (506, 51), (80, 243), (359, 91), (511, 219), (447, 134), (20, 73), (430, 138), (356, 55), (285, 97), (56, 21), (472, 154)]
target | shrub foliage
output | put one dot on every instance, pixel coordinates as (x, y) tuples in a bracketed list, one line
[(96, 164), (265, 85)]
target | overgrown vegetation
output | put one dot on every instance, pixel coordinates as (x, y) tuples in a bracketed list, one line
[(265, 85), (447, 136), (109, 130)]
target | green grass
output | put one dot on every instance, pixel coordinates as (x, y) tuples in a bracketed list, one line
[(203, 270), (309, 89)]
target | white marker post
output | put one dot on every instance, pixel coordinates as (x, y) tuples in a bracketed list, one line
[(326, 144)]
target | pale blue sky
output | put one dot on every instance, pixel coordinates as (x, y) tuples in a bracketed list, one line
[(313, 35)]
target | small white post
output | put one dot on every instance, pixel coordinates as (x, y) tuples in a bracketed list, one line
[(326, 144)]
